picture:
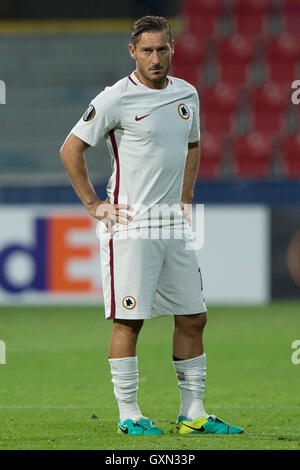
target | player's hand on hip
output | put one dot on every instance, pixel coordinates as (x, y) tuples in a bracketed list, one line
[(186, 210), (110, 214)]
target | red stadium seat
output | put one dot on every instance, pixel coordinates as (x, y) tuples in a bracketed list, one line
[(189, 72), (188, 50), (218, 108), (283, 56), (269, 104), (195, 7), (291, 156), (201, 17), (251, 16), (252, 155), (291, 15), (188, 60), (211, 156), (235, 57)]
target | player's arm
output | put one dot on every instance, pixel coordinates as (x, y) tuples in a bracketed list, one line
[(72, 156), (190, 172), (73, 159), (189, 179)]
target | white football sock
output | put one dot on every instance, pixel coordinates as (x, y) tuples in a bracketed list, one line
[(125, 379), (191, 374)]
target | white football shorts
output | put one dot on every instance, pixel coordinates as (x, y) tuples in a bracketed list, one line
[(147, 278)]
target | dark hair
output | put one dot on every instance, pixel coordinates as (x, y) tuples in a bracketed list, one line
[(149, 23)]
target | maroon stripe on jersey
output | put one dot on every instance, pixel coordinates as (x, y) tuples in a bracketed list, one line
[(111, 246), (132, 80), (116, 154), (112, 280)]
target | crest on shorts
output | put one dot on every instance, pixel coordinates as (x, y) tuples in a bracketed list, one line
[(129, 302), (183, 111), (89, 114)]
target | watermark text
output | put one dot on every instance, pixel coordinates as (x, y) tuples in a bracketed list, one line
[(2, 92), (2, 352), (296, 94), (296, 354), (161, 221)]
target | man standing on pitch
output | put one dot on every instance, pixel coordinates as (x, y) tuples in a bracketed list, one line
[(150, 121)]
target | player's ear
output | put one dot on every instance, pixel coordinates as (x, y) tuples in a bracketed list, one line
[(132, 51)]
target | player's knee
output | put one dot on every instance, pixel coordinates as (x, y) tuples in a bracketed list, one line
[(128, 327), (202, 319), (193, 325), (198, 322)]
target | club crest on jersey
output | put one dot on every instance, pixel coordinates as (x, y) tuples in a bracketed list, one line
[(129, 302), (183, 111), (89, 114)]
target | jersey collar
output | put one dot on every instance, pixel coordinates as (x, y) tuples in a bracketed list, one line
[(133, 78)]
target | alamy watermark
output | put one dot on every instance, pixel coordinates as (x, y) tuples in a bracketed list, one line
[(296, 354), (2, 352), (160, 221), (2, 92), (296, 94)]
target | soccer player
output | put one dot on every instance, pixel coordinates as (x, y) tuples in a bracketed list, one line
[(150, 121)]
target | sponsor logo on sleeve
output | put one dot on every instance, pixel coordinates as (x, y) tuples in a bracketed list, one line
[(89, 114)]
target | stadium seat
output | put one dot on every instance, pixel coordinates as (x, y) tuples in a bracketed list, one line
[(269, 104), (251, 17), (189, 72), (252, 155), (211, 156), (235, 56), (283, 57), (188, 59), (188, 50), (204, 7), (291, 156), (291, 16), (218, 107), (201, 17)]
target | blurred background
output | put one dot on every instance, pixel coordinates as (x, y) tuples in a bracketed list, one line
[(241, 55)]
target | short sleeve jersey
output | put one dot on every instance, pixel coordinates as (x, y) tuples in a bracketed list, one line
[(147, 132)]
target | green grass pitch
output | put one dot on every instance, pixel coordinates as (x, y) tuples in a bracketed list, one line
[(57, 377)]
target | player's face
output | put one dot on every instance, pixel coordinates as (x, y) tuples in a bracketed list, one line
[(152, 54)]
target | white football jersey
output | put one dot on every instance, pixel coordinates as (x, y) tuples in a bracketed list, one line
[(147, 132)]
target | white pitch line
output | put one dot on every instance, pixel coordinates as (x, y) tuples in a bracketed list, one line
[(155, 406), (22, 407)]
